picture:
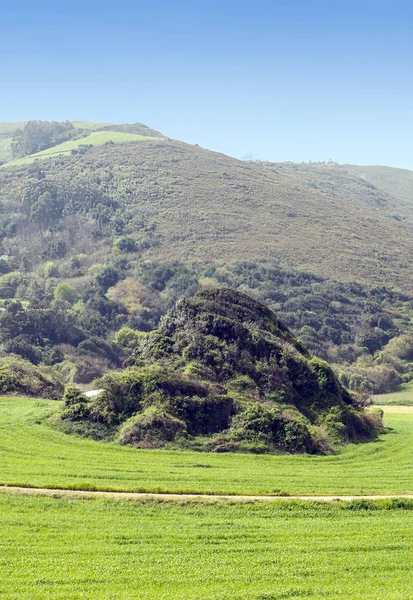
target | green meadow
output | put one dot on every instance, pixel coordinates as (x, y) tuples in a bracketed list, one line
[(70, 549), (404, 397), (33, 453), (96, 138)]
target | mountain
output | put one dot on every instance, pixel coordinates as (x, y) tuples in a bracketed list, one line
[(398, 182), (103, 227), (221, 373), (206, 205)]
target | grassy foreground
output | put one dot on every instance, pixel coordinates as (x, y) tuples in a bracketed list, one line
[(63, 549), (34, 454)]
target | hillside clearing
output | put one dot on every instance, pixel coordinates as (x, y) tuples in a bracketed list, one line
[(97, 138), (32, 453)]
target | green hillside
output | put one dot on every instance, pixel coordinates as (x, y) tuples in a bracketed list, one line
[(24, 142), (97, 138), (262, 214), (103, 237)]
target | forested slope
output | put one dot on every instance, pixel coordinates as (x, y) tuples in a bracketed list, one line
[(104, 239), (205, 205)]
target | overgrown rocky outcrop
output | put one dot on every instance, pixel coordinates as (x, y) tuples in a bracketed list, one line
[(22, 377), (221, 373)]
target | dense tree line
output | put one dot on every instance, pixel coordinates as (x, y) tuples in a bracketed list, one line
[(84, 324)]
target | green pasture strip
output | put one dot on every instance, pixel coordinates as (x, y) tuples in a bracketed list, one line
[(97, 138), (88, 125), (402, 398), (70, 549), (34, 454)]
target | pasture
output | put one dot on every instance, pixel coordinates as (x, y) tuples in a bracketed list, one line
[(404, 397), (32, 453), (96, 138), (67, 549), (70, 548)]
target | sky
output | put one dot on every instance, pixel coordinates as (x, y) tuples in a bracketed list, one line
[(270, 80)]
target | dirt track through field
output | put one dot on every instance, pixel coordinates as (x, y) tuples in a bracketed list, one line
[(136, 496), (400, 410)]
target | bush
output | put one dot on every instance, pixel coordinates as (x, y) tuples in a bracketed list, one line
[(21, 347), (268, 425), (76, 408), (51, 270), (125, 244), (18, 375), (128, 339), (153, 427), (9, 284)]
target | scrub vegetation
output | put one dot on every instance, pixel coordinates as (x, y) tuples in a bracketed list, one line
[(100, 239), (152, 269), (222, 373)]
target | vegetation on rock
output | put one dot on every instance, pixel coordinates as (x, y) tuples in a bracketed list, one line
[(222, 373), (19, 375)]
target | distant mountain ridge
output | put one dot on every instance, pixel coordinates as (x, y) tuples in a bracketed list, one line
[(398, 182)]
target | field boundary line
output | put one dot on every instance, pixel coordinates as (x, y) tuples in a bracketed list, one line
[(174, 497)]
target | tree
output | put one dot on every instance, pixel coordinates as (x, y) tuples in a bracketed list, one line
[(108, 278), (64, 291)]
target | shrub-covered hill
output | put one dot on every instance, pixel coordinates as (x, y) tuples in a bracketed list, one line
[(179, 201), (102, 238), (221, 373)]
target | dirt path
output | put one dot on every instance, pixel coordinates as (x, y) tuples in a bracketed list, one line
[(77, 494), (401, 410)]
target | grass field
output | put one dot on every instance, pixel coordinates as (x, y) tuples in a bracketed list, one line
[(34, 454), (66, 549), (97, 138), (402, 398)]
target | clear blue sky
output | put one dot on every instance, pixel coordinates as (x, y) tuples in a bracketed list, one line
[(279, 80)]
